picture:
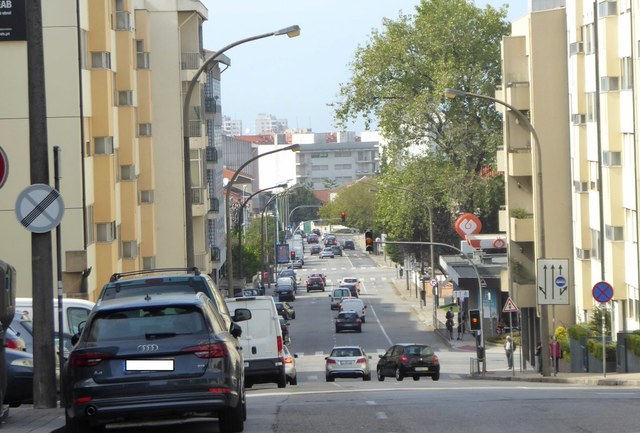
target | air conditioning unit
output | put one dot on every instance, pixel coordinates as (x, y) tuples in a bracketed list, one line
[(580, 186), (608, 84), (144, 129), (583, 254), (611, 159), (579, 119), (576, 48)]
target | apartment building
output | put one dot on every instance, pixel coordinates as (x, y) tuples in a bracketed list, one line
[(114, 107), (270, 124), (231, 127)]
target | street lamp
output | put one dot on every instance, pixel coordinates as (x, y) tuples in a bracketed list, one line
[(544, 326), (293, 148), (240, 212), (291, 31)]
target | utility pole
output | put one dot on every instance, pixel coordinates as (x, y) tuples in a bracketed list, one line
[(44, 375)]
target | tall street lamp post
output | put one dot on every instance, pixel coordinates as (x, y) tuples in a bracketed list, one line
[(544, 314), (229, 264), (240, 212), (291, 31)]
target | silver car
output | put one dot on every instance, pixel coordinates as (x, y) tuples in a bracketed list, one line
[(327, 252), (347, 361), (290, 366)]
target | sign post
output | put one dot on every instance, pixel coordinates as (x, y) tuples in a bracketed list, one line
[(510, 307), (603, 292)]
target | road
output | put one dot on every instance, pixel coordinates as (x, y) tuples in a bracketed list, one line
[(455, 403)]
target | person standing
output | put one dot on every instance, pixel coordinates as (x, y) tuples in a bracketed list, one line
[(509, 347), (460, 326), (449, 323), (554, 350), (539, 357)]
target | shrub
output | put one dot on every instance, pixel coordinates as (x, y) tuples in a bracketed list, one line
[(633, 343), (578, 331), (595, 347)]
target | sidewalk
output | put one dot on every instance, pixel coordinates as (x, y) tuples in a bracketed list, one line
[(26, 419), (467, 344)]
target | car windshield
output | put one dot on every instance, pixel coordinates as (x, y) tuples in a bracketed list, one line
[(345, 352), (419, 350), (146, 323)]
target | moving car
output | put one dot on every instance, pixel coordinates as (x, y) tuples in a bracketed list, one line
[(315, 249), (286, 310), (315, 283), (327, 253), (351, 280), (347, 361), (348, 321), (354, 304), (336, 250), (155, 358), (290, 366), (353, 289), (348, 245), (408, 360), (284, 327), (312, 239), (337, 295), (285, 290), (297, 264)]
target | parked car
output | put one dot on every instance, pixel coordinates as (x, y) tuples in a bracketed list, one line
[(337, 295), (74, 312), (349, 245), (408, 360), (327, 253), (290, 366), (347, 361), (315, 249), (170, 354), (251, 292), (348, 321), (19, 367), (286, 310), (336, 250), (14, 341), (315, 283), (284, 327)]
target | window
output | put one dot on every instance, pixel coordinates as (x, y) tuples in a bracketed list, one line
[(148, 262), (320, 155), (588, 38), (147, 196), (84, 50), (144, 129), (128, 172), (576, 48), (90, 229), (580, 187), (613, 233), (343, 166), (611, 159), (319, 167), (594, 177), (103, 145), (626, 73), (101, 60), (607, 8), (583, 254), (591, 107), (125, 98), (130, 249), (595, 244), (342, 154), (608, 84), (106, 231), (631, 225), (142, 61)]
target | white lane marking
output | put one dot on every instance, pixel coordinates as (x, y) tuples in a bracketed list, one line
[(371, 403), (312, 377), (373, 310), (319, 353), (381, 415)]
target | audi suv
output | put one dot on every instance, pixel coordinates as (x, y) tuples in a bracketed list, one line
[(155, 358)]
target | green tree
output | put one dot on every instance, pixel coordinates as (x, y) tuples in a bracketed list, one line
[(359, 204), (303, 196)]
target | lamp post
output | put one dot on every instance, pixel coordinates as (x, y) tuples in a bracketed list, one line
[(240, 212), (294, 148), (291, 31), (301, 207), (544, 326)]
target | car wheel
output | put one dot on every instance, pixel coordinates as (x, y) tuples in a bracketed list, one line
[(293, 380), (436, 376), (380, 375), (330, 379), (231, 420), (416, 378), (282, 381), (399, 375), (366, 377), (294, 316)]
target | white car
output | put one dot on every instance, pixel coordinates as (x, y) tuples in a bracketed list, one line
[(351, 280), (327, 252), (290, 366), (347, 361)]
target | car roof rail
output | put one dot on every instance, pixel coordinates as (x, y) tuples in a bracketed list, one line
[(115, 277)]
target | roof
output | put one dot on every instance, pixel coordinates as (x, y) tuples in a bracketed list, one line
[(130, 302)]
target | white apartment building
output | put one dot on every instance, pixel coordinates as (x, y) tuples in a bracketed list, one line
[(269, 124), (231, 127)]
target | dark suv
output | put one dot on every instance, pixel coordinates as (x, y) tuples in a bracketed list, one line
[(315, 283), (155, 358), (409, 360), (349, 245)]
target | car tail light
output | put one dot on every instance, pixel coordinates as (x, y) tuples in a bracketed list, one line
[(358, 321), (280, 344), (435, 359), (82, 400), (213, 350), (404, 359), (12, 344), (361, 361), (88, 359), (331, 361), (288, 360)]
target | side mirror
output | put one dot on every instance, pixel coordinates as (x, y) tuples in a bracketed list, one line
[(295, 355), (380, 356), (241, 314), (75, 338), (235, 330)]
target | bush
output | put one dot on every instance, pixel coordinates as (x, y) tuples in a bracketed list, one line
[(633, 343), (595, 347), (579, 331)]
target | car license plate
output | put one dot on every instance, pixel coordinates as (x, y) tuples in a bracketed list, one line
[(149, 365), (421, 369), (346, 362)]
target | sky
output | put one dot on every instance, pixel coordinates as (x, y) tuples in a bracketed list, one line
[(296, 78)]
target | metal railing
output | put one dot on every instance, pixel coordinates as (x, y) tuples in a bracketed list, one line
[(191, 61)]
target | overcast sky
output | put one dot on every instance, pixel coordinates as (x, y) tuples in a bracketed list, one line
[(296, 78)]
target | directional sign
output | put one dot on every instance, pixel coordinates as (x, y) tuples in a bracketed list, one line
[(553, 282), (39, 208), (602, 292), (4, 167), (510, 306), (460, 293)]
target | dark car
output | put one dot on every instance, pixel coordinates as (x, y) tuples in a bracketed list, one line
[(349, 245), (313, 239), (155, 358), (315, 249), (408, 360), (353, 289), (284, 327), (292, 274), (285, 310), (336, 250), (285, 292), (348, 321), (19, 367), (315, 283)]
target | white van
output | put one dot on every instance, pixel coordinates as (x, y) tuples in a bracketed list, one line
[(74, 312), (261, 340), (354, 304)]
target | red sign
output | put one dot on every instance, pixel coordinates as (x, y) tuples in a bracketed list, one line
[(4, 167), (467, 224)]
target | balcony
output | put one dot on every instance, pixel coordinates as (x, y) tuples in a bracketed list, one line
[(517, 94), (191, 61), (197, 195), (521, 229), (520, 163), (215, 254)]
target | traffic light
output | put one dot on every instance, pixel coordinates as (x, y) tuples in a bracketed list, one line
[(368, 240), (343, 216), (293, 255), (474, 320)]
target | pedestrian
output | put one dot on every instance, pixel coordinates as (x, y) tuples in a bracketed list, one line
[(554, 350), (509, 348), (450, 314), (449, 324), (460, 326), (539, 357)]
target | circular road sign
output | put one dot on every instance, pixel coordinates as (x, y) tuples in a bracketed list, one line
[(4, 167), (602, 292), (561, 281), (39, 208), (434, 282)]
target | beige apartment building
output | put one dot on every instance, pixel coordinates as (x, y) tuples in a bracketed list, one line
[(115, 72)]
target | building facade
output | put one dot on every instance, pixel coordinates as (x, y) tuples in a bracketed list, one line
[(231, 127)]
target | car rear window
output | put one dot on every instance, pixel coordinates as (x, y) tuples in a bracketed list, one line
[(155, 286), (146, 323), (348, 315), (349, 351), (419, 350)]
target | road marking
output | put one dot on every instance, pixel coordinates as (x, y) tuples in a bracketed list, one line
[(319, 353), (381, 415), (371, 403)]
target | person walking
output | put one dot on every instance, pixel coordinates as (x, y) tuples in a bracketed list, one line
[(449, 324), (509, 348)]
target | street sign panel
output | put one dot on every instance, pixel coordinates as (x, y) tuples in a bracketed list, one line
[(602, 292), (39, 208), (460, 293), (553, 282), (510, 306)]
